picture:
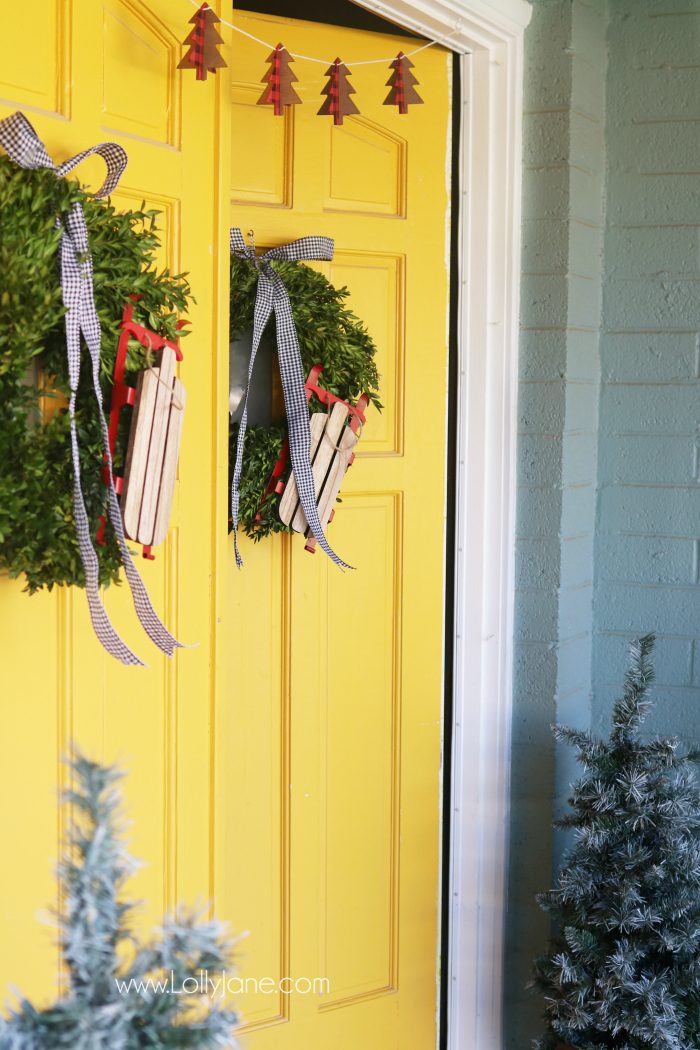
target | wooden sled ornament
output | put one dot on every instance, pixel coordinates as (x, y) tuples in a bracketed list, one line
[(158, 400), (334, 437)]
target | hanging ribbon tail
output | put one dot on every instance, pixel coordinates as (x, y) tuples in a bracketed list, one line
[(263, 310), (272, 296), (22, 144)]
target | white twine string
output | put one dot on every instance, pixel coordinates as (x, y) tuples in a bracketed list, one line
[(310, 58)]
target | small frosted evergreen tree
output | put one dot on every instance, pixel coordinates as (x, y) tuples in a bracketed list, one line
[(624, 970), (102, 956)]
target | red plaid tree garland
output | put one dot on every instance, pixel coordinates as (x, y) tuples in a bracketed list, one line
[(338, 89), (401, 82), (203, 56), (279, 79), (203, 41)]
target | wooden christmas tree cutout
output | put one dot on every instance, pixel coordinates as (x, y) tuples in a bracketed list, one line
[(403, 93), (203, 42), (338, 89), (279, 79)]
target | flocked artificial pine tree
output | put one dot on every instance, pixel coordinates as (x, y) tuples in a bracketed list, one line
[(102, 957), (624, 971)]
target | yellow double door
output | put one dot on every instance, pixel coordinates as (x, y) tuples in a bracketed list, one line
[(288, 767)]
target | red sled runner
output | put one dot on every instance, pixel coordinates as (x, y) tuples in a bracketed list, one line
[(334, 437)]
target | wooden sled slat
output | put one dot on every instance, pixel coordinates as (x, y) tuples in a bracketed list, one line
[(330, 436), (290, 496), (154, 441), (335, 476), (170, 461)]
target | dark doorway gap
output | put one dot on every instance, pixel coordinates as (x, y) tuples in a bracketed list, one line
[(450, 546), (339, 13)]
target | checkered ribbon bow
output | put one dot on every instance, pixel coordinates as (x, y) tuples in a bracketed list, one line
[(272, 297), (24, 147)]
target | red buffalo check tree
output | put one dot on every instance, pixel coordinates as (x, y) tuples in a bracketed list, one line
[(279, 79), (403, 93), (203, 42), (338, 89)]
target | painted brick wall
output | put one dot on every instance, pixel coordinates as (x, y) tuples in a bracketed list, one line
[(609, 462), (559, 390), (649, 465)]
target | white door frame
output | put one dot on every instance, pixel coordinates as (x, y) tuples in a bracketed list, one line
[(489, 34)]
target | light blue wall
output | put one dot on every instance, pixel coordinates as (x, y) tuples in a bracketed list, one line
[(558, 406), (649, 464), (609, 455)]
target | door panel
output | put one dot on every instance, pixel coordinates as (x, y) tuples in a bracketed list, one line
[(328, 770), (99, 70), (288, 766)]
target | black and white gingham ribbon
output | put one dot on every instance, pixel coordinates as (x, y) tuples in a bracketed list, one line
[(271, 297), (23, 145)]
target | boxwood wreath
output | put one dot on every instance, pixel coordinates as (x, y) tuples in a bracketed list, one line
[(329, 334), (37, 529)]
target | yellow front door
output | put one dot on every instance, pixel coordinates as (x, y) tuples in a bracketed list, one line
[(328, 745), (86, 71), (288, 767)]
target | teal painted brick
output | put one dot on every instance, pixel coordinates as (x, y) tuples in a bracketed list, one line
[(583, 355), (655, 148), (545, 300), (663, 303), (546, 141), (666, 511), (539, 511), (581, 407), (635, 609), (589, 27), (574, 615), (563, 214), (578, 458), (547, 80), (577, 560), (573, 709), (645, 41), (531, 734), (696, 673), (586, 195), (652, 252), (667, 409), (665, 93), (657, 357), (541, 407), (578, 509), (542, 354), (586, 145), (585, 250), (650, 459), (622, 10), (584, 302), (588, 90), (676, 711), (535, 670), (546, 193), (652, 199), (572, 654), (646, 559), (536, 617), (545, 247), (539, 458), (673, 660), (537, 565)]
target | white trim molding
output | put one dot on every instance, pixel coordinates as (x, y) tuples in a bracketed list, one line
[(489, 34)]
